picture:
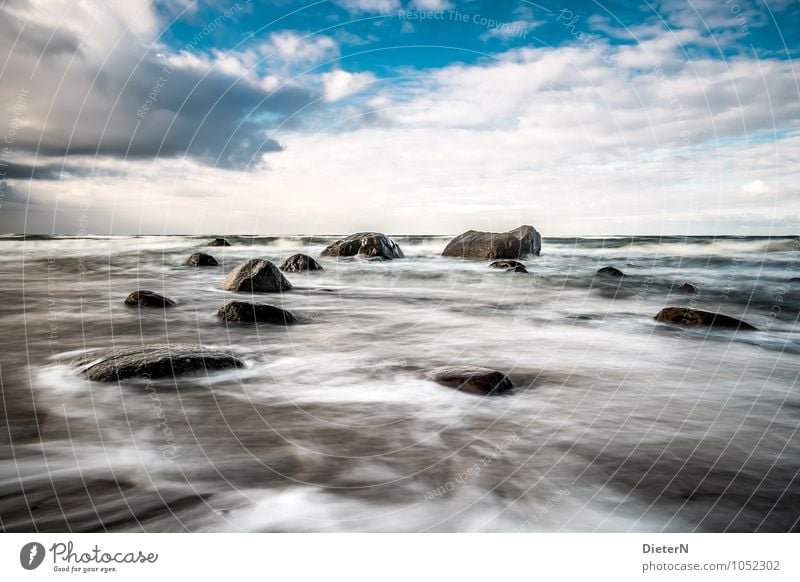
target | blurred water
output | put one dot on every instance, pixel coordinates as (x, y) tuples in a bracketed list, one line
[(617, 423)]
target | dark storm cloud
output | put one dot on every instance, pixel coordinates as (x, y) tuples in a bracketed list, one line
[(24, 35), (15, 171)]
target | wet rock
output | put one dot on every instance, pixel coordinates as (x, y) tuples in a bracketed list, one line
[(201, 260), (255, 313), (610, 272), (472, 379), (370, 244), (218, 242), (144, 298), (698, 318), (514, 244), (517, 269), (687, 288), (300, 262), (506, 265), (152, 361), (256, 276)]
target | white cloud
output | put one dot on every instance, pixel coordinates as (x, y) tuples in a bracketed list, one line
[(370, 6), (297, 48), (432, 5), (340, 84), (756, 189)]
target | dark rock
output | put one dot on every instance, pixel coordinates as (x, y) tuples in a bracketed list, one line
[(687, 288), (370, 244), (506, 265), (256, 276), (610, 272), (148, 299), (514, 244), (255, 313), (152, 361), (218, 242), (201, 260), (698, 318), (472, 379), (300, 262), (517, 269)]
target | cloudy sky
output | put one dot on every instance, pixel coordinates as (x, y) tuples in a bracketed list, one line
[(403, 116)]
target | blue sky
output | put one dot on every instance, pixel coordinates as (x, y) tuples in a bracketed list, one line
[(671, 117)]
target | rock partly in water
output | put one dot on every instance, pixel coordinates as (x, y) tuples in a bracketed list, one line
[(218, 242), (472, 379), (521, 242), (300, 262), (144, 298), (152, 361), (687, 288), (610, 272), (201, 260), (506, 265), (369, 244), (517, 269), (698, 318), (256, 276), (255, 313)]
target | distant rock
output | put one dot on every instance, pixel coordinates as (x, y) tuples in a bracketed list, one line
[(201, 260), (521, 242), (255, 313), (506, 265), (472, 379), (152, 361), (256, 276), (369, 244), (687, 288), (610, 272), (697, 318), (144, 298), (218, 242), (300, 262)]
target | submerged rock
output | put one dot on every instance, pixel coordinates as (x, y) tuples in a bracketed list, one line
[(370, 244), (687, 288), (255, 313), (218, 242), (256, 276), (201, 260), (300, 262), (472, 379), (517, 269), (610, 272), (144, 298), (521, 242), (698, 318), (152, 361), (507, 265)]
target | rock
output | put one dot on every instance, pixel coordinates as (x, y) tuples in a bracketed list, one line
[(698, 318), (201, 260), (472, 379), (300, 262), (152, 361), (687, 288), (218, 242), (517, 269), (256, 276), (370, 244), (506, 265), (610, 272), (514, 244), (148, 299), (255, 313)]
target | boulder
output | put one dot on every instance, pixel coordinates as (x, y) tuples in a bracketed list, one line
[(369, 244), (152, 361), (218, 242), (144, 298), (201, 260), (517, 269), (256, 276), (506, 265), (610, 272), (521, 242), (255, 313), (472, 379), (687, 288), (697, 318), (300, 262)]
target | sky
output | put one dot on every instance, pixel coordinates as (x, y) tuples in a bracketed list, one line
[(664, 117)]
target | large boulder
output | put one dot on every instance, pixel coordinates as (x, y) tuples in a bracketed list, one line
[(218, 242), (201, 260), (370, 244), (255, 313), (514, 244), (300, 262), (256, 276), (144, 298), (152, 361), (698, 318), (472, 379)]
